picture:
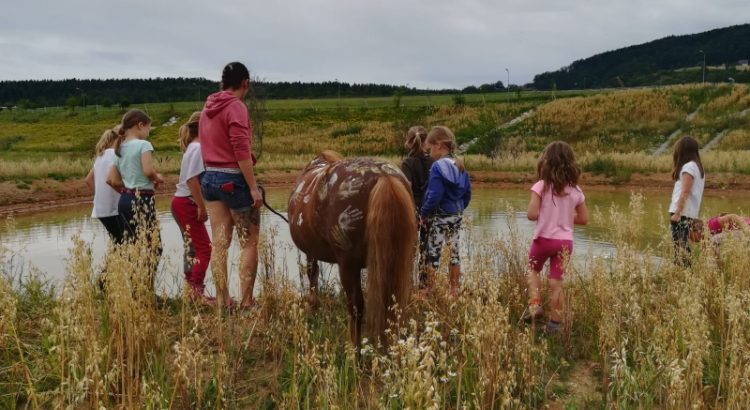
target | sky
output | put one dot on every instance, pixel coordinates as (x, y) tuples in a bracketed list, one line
[(422, 43)]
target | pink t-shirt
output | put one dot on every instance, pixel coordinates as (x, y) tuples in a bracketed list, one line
[(714, 225), (557, 212)]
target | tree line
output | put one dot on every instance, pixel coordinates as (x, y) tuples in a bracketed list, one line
[(123, 92), (662, 61)]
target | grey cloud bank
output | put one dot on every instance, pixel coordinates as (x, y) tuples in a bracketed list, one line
[(431, 44)]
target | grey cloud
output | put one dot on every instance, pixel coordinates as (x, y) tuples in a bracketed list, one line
[(437, 43)]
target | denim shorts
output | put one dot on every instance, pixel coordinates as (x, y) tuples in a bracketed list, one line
[(237, 198)]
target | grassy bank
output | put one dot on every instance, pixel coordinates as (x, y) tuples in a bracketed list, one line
[(640, 333)]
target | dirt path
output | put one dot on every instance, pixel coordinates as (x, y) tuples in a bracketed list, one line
[(50, 194)]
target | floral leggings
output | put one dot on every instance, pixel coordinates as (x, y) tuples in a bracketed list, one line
[(444, 230)]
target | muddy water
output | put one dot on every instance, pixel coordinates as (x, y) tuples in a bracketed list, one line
[(41, 242)]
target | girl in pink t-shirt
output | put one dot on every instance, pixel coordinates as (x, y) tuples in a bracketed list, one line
[(556, 204)]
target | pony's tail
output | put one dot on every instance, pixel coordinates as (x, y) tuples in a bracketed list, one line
[(391, 238)]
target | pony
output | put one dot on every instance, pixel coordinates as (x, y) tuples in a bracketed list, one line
[(358, 213)]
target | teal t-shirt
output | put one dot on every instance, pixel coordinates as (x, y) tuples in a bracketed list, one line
[(130, 166)]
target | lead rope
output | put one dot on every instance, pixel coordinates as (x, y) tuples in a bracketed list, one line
[(263, 194)]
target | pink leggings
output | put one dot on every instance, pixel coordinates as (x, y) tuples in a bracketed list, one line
[(552, 249), (197, 241)]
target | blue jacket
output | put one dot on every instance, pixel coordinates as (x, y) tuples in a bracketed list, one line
[(448, 189)]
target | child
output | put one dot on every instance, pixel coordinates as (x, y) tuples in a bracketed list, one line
[(106, 198), (448, 194), (718, 225), (557, 203), (416, 168), (134, 171), (189, 210), (689, 177)]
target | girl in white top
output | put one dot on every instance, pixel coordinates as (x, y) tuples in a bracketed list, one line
[(105, 197), (189, 211), (689, 177)]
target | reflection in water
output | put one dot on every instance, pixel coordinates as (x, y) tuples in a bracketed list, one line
[(43, 240)]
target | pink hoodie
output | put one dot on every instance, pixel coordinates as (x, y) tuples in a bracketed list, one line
[(225, 131)]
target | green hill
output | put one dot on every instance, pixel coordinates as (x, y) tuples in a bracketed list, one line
[(670, 60)]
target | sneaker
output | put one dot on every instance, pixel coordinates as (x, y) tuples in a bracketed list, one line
[(552, 328), (533, 313)]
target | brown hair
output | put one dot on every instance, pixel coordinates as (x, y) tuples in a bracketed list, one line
[(233, 75), (189, 130), (415, 138), (129, 120), (558, 167), (686, 149), (440, 135), (105, 141)]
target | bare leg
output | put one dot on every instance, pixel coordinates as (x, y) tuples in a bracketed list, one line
[(534, 281), (248, 231), (454, 277), (557, 300), (221, 230)]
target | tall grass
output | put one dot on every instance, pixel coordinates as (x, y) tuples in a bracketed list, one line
[(656, 335)]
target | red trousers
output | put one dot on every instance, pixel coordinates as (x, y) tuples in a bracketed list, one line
[(196, 239)]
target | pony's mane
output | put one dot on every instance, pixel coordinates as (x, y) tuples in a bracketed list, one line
[(330, 156)]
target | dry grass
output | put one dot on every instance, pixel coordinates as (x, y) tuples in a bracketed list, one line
[(662, 336)]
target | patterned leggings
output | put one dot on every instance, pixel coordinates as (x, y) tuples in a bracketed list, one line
[(444, 230)]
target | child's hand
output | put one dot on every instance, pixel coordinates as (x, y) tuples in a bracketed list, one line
[(676, 217), (158, 180), (423, 222), (202, 214)]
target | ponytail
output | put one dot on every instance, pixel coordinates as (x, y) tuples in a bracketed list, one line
[(105, 141), (189, 130), (415, 138), (119, 139)]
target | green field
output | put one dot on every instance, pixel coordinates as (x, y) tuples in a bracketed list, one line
[(60, 141)]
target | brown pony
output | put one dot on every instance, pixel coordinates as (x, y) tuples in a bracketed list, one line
[(357, 213)]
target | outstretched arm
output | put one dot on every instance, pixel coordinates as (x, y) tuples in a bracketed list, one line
[(729, 221)]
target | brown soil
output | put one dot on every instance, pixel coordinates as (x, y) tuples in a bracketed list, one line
[(16, 198)]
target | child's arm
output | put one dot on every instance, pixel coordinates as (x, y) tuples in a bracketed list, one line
[(90, 179), (582, 214), (731, 220), (532, 212), (148, 168), (194, 184), (687, 183), (114, 179)]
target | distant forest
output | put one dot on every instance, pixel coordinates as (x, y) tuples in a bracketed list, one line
[(659, 62), (123, 92)]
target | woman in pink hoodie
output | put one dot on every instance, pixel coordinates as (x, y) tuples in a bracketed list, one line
[(229, 186)]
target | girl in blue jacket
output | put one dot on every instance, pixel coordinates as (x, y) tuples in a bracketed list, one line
[(448, 194)]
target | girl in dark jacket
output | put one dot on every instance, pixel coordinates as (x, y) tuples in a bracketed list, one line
[(416, 167)]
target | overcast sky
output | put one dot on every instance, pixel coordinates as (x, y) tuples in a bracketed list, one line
[(425, 43)]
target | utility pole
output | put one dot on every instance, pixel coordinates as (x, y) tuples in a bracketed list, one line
[(507, 85), (703, 81)]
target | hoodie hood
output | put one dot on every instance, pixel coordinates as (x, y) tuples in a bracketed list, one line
[(216, 102), (451, 174)]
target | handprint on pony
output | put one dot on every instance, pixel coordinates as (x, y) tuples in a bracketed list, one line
[(357, 213)]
